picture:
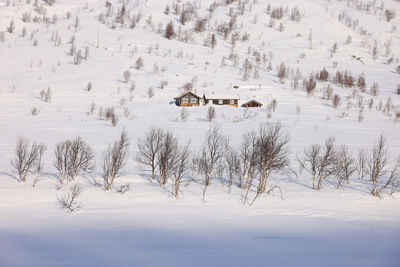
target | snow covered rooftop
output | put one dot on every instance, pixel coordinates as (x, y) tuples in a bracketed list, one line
[(222, 96)]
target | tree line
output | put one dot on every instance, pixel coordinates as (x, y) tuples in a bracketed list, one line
[(261, 155)]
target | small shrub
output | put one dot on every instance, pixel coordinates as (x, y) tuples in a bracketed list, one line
[(375, 89), (150, 92), (109, 113), (127, 76), (35, 111), (309, 84), (184, 115), (139, 63), (163, 83), (336, 101), (277, 13), (123, 188), (211, 114), (114, 120), (390, 14), (323, 75), (169, 30), (69, 200), (282, 72)]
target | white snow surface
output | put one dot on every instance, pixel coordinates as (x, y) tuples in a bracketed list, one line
[(145, 226)]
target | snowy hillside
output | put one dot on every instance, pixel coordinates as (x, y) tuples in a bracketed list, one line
[(323, 70)]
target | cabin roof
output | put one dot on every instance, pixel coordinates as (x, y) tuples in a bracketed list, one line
[(253, 101), (220, 96), (186, 93)]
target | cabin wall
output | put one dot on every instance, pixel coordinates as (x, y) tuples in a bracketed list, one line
[(187, 101), (225, 102)]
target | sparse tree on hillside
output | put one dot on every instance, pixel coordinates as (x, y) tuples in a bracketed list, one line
[(139, 63), (11, 28), (213, 41), (282, 72), (127, 76), (169, 30), (309, 84), (390, 14), (150, 92)]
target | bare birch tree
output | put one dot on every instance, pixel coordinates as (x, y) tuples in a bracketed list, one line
[(344, 166), (319, 162), (148, 149), (212, 153), (310, 162), (73, 157), (233, 170), (181, 169), (377, 164), (114, 160), (26, 157), (272, 153), (362, 162), (167, 157)]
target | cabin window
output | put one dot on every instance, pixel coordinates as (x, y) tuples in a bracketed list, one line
[(185, 100), (220, 101), (193, 100), (232, 102)]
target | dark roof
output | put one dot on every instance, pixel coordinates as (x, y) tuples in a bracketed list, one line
[(252, 101), (186, 93)]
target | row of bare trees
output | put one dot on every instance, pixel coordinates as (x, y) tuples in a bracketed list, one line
[(161, 152), (261, 155), (72, 158), (325, 161)]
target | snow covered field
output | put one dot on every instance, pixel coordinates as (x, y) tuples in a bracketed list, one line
[(146, 226)]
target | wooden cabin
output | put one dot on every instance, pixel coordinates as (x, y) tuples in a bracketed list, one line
[(230, 100), (188, 99), (252, 104)]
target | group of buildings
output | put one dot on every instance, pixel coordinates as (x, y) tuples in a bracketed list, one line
[(189, 99)]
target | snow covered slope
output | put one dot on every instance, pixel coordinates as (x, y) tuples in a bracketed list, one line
[(79, 51)]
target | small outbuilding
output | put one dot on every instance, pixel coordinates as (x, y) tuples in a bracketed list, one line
[(188, 99), (230, 100), (252, 104)]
